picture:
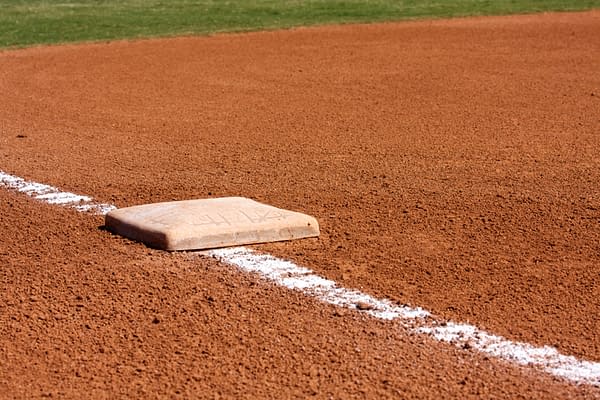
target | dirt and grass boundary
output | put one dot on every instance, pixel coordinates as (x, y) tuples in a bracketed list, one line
[(37, 22)]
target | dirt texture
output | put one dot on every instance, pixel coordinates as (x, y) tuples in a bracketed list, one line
[(452, 165)]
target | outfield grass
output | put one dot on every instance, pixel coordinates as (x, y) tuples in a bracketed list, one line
[(31, 22)]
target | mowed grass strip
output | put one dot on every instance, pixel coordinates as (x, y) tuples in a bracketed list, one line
[(33, 22)]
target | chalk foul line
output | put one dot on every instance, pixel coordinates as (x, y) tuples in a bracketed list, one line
[(52, 195), (291, 276)]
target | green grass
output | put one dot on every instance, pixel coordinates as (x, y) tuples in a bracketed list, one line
[(32, 22)]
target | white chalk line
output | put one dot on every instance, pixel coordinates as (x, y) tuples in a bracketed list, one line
[(291, 276), (51, 195)]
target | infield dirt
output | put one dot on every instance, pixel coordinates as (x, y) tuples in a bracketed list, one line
[(452, 165)]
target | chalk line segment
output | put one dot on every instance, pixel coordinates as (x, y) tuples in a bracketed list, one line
[(52, 195), (416, 319)]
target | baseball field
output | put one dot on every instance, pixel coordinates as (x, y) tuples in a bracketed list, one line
[(449, 150)]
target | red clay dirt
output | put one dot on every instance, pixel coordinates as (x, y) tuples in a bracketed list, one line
[(452, 165)]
